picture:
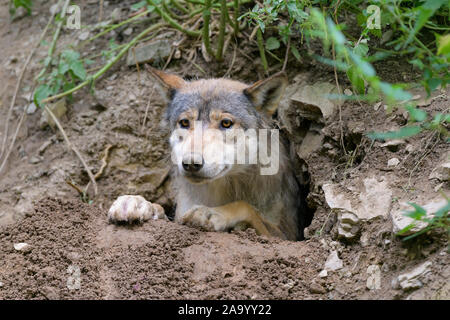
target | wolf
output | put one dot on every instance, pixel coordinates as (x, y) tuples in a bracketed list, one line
[(216, 195)]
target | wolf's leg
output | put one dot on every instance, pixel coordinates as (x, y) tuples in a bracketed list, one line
[(134, 208), (230, 216)]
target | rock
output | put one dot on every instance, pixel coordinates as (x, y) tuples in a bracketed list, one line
[(370, 199), (58, 109), (400, 221), (128, 31), (84, 35), (377, 106), (348, 92), (45, 145), (393, 145), (1, 284), (374, 278), (156, 51), (313, 102), (323, 273), (316, 288), (410, 148), (333, 262), (413, 280), (442, 171), (50, 293), (35, 160), (116, 15), (348, 225), (393, 162), (23, 247), (31, 108), (312, 142)]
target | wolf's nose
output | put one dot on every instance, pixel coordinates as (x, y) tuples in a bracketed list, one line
[(192, 162)]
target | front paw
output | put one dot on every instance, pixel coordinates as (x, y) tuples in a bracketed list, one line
[(205, 218), (134, 209)]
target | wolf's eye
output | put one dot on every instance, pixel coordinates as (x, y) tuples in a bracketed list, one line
[(184, 123), (226, 123)]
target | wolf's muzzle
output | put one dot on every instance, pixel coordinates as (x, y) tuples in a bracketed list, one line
[(192, 162)]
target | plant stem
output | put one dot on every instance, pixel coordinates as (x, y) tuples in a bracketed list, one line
[(55, 37), (236, 16), (112, 28), (172, 22), (108, 65), (179, 6), (260, 40), (205, 33), (223, 20)]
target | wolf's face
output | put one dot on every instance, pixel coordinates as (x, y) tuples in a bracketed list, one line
[(209, 118)]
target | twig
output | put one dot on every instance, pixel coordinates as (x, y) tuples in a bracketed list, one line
[(232, 63), (286, 56), (108, 65), (19, 82), (146, 109), (102, 168), (172, 22), (100, 14), (73, 148)]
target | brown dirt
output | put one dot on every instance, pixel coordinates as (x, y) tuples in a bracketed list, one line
[(161, 259)]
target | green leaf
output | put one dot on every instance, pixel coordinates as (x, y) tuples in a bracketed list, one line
[(418, 213), (272, 43), (42, 92), (63, 67), (356, 80), (442, 211), (138, 5), (444, 45), (78, 70), (406, 229), (404, 132), (296, 53), (416, 114), (70, 55)]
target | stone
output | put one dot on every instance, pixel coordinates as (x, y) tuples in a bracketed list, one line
[(128, 31), (374, 278), (311, 143), (316, 288), (313, 102), (323, 273), (333, 262), (59, 109), (410, 148), (368, 200), (348, 226), (400, 221), (393, 145), (377, 106), (393, 162), (22, 246), (414, 279), (442, 171), (31, 108), (1, 284), (348, 92), (84, 35), (35, 160), (149, 53)]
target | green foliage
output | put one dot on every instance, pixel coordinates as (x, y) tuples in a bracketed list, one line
[(16, 4), (66, 71), (440, 219)]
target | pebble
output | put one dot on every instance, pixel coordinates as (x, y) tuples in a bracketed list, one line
[(393, 162), (31, 108), (374, 278), (22, 246), (333, 262), (323, 273), (316, 288)]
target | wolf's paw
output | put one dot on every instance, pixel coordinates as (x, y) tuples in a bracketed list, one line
[(134, 209), (205, 218)]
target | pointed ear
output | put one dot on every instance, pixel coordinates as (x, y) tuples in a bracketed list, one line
[(266, 94), (167, 83)]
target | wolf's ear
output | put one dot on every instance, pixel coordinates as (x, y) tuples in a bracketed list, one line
[(266, 94), (167, 83)]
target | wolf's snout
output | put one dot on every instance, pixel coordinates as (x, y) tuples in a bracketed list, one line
[(192, 162)]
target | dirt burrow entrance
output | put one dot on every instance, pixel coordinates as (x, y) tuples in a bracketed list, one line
[(340, 259)]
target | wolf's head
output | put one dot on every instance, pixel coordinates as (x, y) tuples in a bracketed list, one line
[(208, 117)]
